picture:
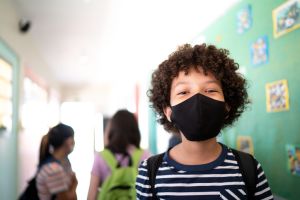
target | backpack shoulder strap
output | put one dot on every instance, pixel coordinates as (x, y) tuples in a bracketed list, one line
[(152, 166), (47, 161), (248, 169), (110, 159), (33, 181), (136, 157)]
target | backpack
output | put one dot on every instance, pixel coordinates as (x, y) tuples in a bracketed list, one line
[(31, 192), (120, 184), (245, 161)]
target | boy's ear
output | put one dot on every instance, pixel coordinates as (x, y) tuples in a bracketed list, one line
[(168, 112)]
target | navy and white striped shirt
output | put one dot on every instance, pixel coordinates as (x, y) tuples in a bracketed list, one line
[(220, 179)]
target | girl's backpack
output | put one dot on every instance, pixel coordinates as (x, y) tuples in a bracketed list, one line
[(31, 192), (120, 184)]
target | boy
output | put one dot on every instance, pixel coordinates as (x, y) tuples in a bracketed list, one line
[(196, 92)]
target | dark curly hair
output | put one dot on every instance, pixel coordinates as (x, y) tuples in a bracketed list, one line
[(209, 58)]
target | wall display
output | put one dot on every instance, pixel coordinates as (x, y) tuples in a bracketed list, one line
[(270, 131), (259, 51), (286, 18), (244, 19), (5, 96), (245, 144), (277, 96), (293, 155)]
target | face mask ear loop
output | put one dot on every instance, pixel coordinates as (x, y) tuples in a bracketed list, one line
[(227, 111), (171, 120), (227, 114)]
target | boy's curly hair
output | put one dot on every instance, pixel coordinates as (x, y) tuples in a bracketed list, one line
[(209, 58)]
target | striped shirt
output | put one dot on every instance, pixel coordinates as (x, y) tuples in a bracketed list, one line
[(220, 179), (53, 178)]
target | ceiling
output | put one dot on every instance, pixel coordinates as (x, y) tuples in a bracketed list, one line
[(101, 41)]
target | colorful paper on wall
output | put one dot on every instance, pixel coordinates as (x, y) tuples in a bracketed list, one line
[(245, 144), (244, 19), (259, 51), (277, 96), (286, 18), (293, 155)]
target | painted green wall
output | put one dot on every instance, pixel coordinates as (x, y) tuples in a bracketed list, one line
[(152, 131), (8, 142), (270, 131)]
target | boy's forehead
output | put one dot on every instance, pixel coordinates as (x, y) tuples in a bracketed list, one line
[(193, 74), (192, 70)]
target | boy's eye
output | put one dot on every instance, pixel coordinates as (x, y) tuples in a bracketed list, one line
[(182, 93), (211, 91)]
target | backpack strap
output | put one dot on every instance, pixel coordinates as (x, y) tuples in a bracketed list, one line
[(136, 157), (152, 166), (247, 165), (110, 159), (112, 162), (49, 160)]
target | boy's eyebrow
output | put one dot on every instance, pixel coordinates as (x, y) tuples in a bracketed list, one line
[(212, 81), (185, 82), (180, 83)]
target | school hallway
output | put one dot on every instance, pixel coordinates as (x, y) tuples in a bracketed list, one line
[(79, 61)]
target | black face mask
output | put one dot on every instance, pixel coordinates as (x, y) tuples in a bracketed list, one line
[(199, 117)]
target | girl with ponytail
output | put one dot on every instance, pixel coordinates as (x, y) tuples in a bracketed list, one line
[(44, 149), (55, 179)]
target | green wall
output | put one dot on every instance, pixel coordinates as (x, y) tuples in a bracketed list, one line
[(8, 142), (270, 131), (152, 131)]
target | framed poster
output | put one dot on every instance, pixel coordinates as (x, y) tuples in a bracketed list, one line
[(286, 18), (245, 144), (5, 96), (293, 157), (277, 96), (244, 19), (259, 51)]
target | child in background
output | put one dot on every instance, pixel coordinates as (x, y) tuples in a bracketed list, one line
[(122, 140), (55, 178)]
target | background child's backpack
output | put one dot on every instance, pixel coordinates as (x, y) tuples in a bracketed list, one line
[(120, 185), (31, 192)]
